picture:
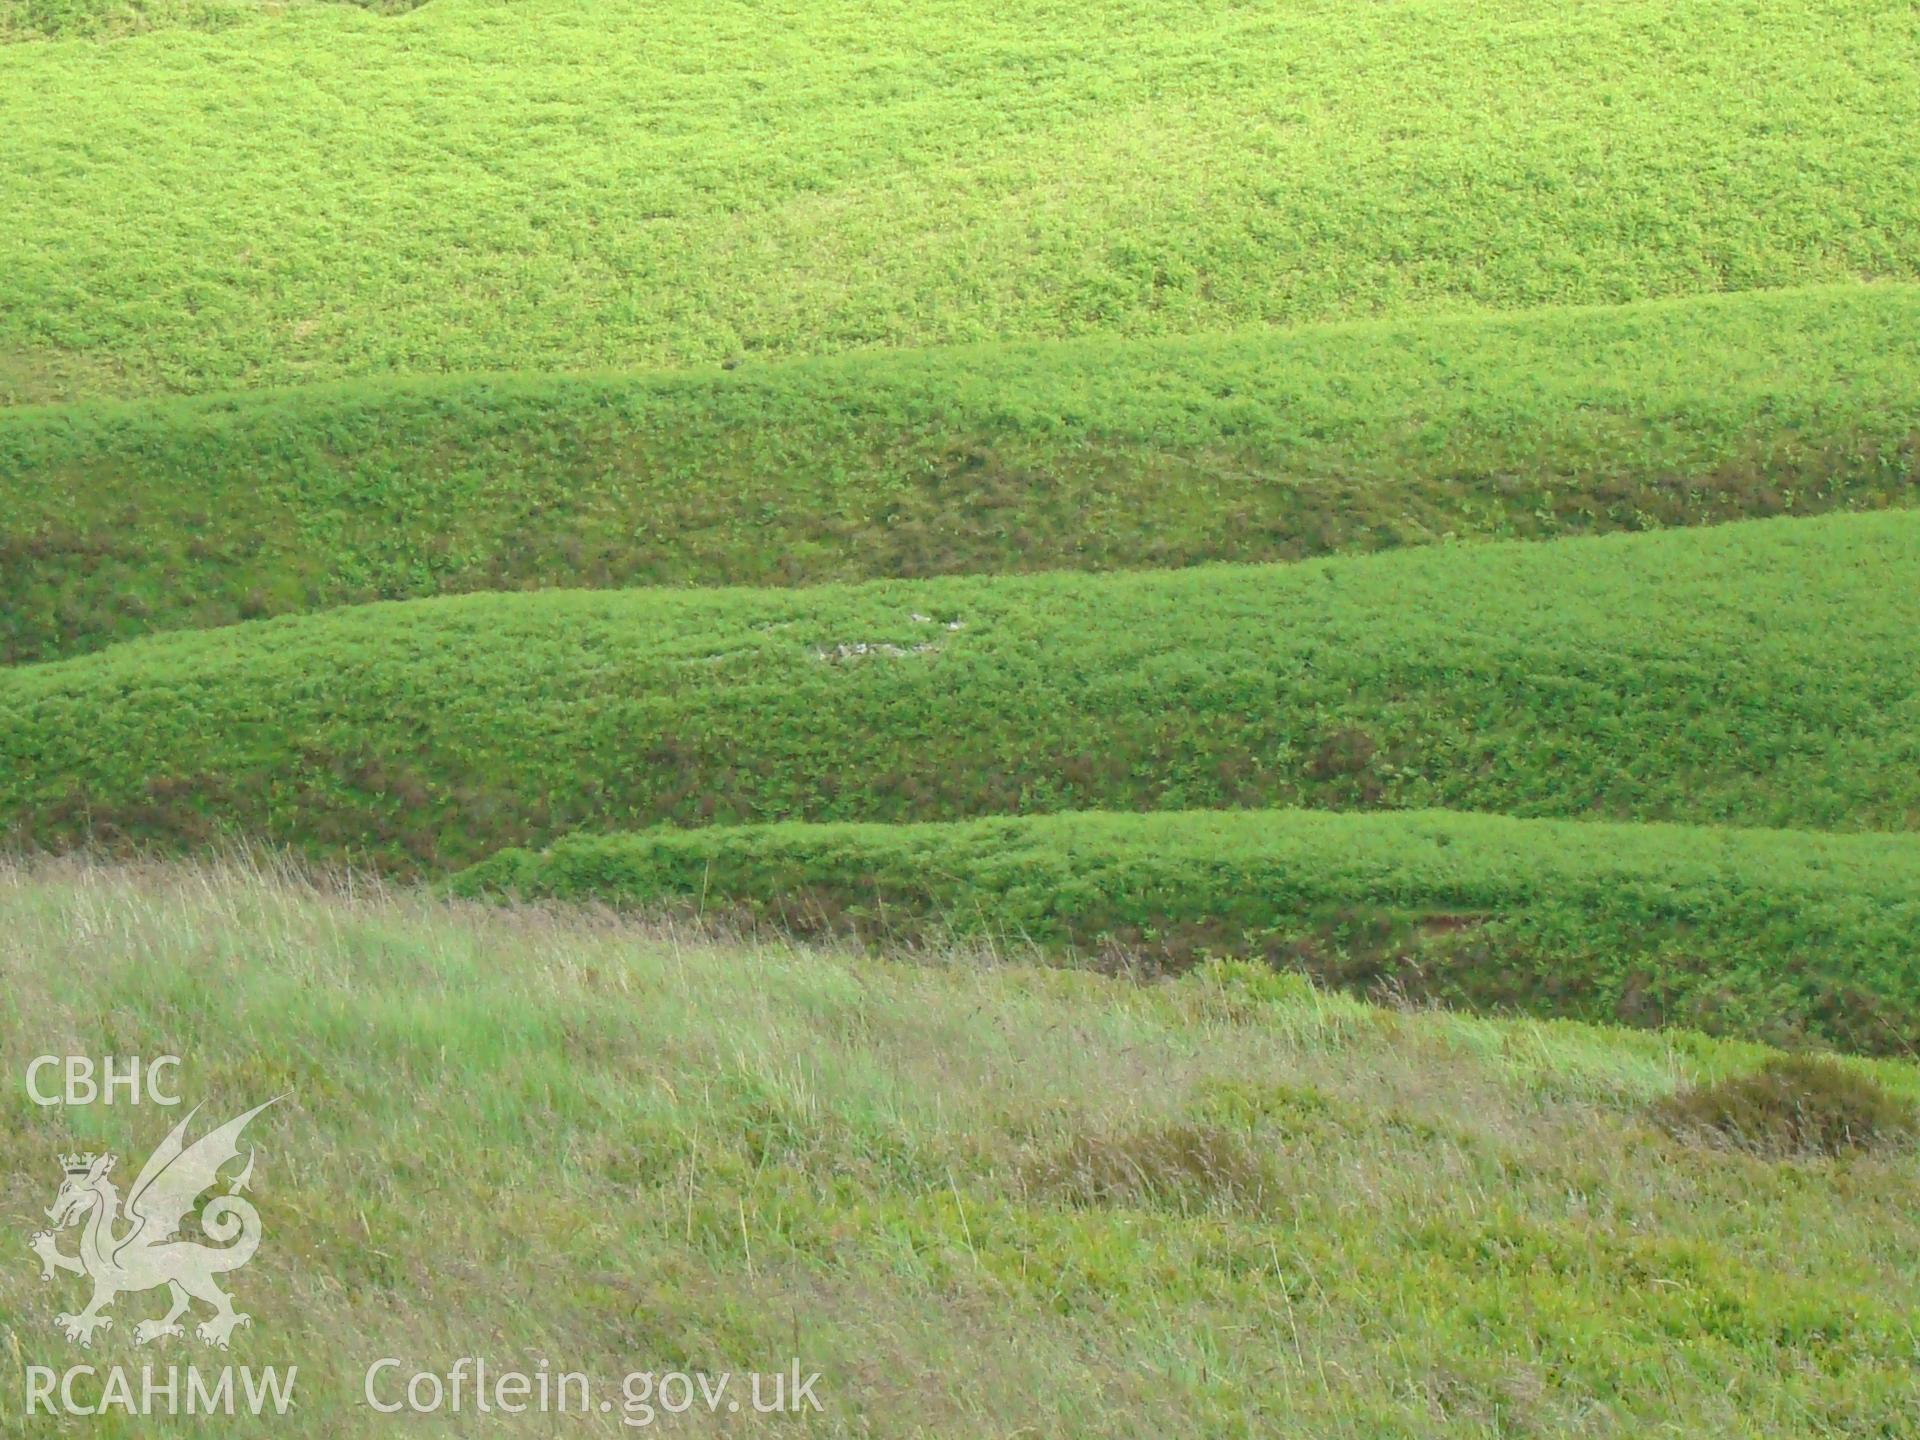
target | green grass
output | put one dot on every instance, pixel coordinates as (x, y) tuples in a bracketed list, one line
[(1781, 935), (923, 363), (321, 193), (114, 19), (50, 19), (979, 1199), (1756, 674), (119, 519)]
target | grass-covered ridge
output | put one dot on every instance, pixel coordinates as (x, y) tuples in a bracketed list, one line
[(120, 519), (979, 1199), (1783, 935), (637, 183), (1762, 674)]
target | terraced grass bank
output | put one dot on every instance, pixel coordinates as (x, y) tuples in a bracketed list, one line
[(1790, 936), (118, 520), (321, 193), (1764, 674), (817, 465), (977, 1199)]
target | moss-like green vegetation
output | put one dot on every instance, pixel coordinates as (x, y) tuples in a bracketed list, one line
[(327, 193), (1757, 674), (979, 1200), (120, 519), (1785, 935)]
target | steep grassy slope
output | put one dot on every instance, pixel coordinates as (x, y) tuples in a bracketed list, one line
[(978, 1200), (326, 193), (1760, 674), (116, 520), (1779, 934)]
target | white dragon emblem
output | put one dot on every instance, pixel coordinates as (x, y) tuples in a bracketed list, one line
[(146, 1252)]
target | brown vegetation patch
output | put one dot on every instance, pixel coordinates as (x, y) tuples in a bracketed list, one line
[(1179, 1165), (1794, 1105)]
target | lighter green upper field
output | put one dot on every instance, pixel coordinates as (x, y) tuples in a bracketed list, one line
[(322, 192)]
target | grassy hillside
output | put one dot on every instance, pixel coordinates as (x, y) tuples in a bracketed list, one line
[(1780, 934), (977, 1199), (323, 193), (1759, 674), (116, 520), (743, 539)]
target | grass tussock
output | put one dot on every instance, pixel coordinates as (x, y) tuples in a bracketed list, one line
[(976, 1197), (1185, 1166), (1795, 1105)]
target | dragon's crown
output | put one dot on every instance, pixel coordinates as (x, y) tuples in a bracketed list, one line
[(78, 1164)]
